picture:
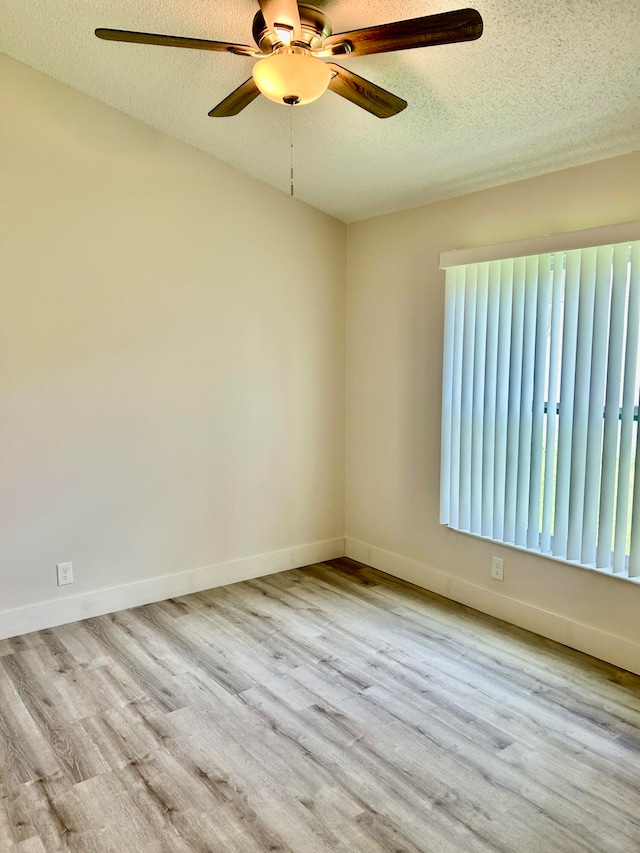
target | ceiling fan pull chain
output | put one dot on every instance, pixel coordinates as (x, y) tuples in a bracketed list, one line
[(291, 159)]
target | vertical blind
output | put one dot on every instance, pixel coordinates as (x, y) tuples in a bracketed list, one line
[(541, 388)]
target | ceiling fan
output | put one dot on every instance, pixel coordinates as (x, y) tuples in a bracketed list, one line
[(293, 40)]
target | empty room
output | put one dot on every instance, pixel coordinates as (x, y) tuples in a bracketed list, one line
[(319, 458)]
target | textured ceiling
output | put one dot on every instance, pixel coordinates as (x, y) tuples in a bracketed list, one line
[(551, 84)]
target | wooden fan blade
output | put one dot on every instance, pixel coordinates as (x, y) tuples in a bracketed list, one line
[(176, 41), (364, 93), (446, 28), (237, 100), (283, 12)]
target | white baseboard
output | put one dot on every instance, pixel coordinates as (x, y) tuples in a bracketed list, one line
[(608, 647), (48, 614), (593, 641)]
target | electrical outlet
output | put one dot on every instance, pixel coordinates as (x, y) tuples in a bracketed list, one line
[(497, 568), (65, 573)]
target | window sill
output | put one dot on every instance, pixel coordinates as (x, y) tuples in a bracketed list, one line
[(537, 553)]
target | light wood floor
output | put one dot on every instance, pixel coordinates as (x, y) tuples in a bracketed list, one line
[(321, 709)]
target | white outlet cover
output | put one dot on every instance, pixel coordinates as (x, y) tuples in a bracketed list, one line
[(65, 573), (497, 568)]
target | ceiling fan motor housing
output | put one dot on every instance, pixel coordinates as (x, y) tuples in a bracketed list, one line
[(316, 27)]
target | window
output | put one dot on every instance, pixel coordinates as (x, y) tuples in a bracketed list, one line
[(540, 403)]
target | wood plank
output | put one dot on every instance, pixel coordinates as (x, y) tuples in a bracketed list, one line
[(330, 708)]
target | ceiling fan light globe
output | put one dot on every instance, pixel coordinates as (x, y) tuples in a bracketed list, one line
[(286, 76)]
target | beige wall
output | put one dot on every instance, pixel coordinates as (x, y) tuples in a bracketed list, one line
[(394, 360), (171, 354)]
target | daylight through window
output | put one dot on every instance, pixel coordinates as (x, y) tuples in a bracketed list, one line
[(540, 404)]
